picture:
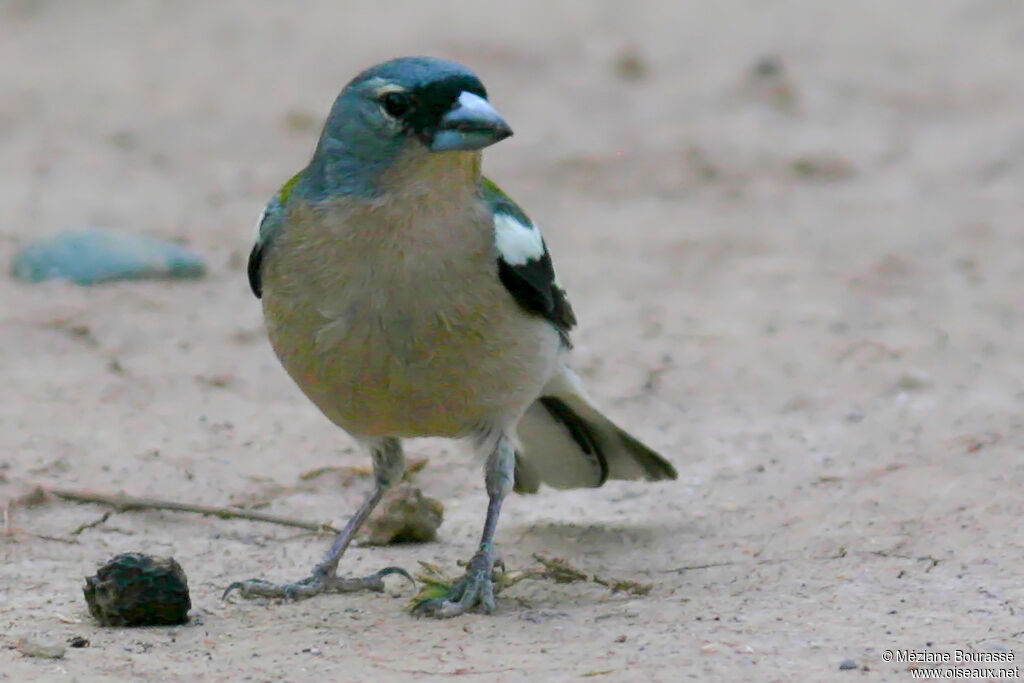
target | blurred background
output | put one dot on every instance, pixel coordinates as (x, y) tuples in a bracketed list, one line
[(791, 231)]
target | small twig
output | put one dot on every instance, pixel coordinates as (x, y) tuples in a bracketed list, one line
[(838, 555), (623, 585), (89, 525), (692, 567), (881, 350), (509, 579), (123, 503), (562, 572), (435, 583), (559, 570), (55, 539)]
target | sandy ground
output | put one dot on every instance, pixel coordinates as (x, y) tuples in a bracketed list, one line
[(808, 293)]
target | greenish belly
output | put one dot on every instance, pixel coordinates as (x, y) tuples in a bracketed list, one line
[(415, 373)]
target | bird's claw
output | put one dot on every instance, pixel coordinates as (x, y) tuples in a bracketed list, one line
[(474, 589), (314, 585)]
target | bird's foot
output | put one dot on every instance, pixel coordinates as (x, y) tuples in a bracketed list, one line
[(313, 585), (474, 589)]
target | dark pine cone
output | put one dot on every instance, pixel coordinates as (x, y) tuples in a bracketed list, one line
[(138, 590)]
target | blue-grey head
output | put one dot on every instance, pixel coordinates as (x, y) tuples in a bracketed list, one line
[(409, 104)]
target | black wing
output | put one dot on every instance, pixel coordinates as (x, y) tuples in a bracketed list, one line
[(524, 264)]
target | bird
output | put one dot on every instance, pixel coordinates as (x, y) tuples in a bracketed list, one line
[(408, 296)]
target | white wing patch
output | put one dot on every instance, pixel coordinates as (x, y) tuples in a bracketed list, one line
[(259, 222), (517, 243)]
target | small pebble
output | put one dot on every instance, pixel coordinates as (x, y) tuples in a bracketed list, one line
[(405, 515), (629, 65), (88, 257), (769, 82), (910, 381), (78, 641), (767, 66), (847, 665), (30, 647)]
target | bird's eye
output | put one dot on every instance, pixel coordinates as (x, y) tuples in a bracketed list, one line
[(396, 104)]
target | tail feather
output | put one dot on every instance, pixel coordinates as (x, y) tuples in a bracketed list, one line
[(655, 467), (567, 443)]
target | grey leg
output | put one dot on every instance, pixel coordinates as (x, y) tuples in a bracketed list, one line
[(476, 587), (388, 467)]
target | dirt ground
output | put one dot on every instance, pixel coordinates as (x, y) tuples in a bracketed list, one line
[(792, 234)]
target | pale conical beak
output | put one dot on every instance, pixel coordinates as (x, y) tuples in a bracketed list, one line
[(472, 124)]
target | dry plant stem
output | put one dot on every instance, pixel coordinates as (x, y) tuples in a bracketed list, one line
[(122, 503), (90, 525), (552, 569), (562, 572)]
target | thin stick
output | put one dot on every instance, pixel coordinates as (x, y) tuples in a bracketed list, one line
[(89, 525), (122, 503)]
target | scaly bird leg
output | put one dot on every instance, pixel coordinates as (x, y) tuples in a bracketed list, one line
[(388, 467), (476, 587)]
